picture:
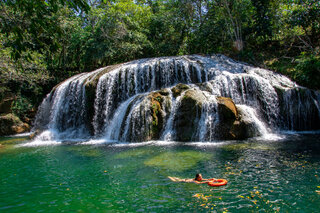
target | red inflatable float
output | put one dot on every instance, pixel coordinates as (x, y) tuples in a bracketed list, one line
[(218, 182)]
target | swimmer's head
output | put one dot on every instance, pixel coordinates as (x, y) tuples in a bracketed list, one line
[(198, 177)]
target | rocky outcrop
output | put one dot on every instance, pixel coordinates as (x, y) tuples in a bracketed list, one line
[(227, 109), (159, 106), (188, 115), (11, 124), (232, 124), (178, 89), (145, 117), (228, 119)]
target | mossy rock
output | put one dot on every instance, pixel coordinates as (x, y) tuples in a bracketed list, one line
[(229, 125), (156, 108), (11, 124), (241, 130), (93, 80), (164, 92), (178, 89), (204, 87)]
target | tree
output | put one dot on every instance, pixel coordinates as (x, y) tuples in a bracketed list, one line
[(262, 18), (30, 24)]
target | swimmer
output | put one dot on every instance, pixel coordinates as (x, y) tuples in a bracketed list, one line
[(198, 179)]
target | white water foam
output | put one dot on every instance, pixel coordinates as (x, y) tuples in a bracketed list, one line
[(251, 116), (26, 134)]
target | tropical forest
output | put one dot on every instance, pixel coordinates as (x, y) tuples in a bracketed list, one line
[(159, 105)]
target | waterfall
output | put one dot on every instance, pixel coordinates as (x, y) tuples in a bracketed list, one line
[(250, 90), (251, 116), (63, 111), (209, 119), (114, 129), (168, 133), (152, 99), (301, 109)]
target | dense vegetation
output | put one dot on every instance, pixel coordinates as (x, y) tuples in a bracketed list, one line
[(44, 42)]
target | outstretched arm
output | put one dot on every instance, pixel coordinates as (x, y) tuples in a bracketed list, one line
[(210, 179), (175, 179)]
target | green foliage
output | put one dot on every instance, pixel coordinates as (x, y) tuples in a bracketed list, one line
[(31, 24), (21, 106), (306, 14), (308, 70), (262, 17)]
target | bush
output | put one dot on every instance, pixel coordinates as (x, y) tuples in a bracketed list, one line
[(21, 106), (307, 71)]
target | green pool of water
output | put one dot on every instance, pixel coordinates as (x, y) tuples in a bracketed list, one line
[(262, 176)]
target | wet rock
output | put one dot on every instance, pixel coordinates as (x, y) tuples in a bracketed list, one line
[(11, 124), (146, 116), (227, 109), (232, 126), (156, 100), (159, 107), (244, 128), (303, 111), (90, 94), (188, 115), (178, 89), (34, 134), (164, 92), (191, 83)]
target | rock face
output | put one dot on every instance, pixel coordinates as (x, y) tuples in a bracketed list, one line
[(178, 89), (229, 126), (11, 124), (188, 115), (227, 109), (233, 124), (186, 98), (296, 115)]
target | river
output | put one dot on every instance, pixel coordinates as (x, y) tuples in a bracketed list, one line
[(279, 175)]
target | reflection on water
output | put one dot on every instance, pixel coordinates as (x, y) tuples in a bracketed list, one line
[(266, 176)]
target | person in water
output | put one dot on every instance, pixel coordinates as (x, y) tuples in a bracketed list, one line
[(198, 179)]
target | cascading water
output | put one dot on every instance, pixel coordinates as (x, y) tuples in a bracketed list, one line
[(168, 133), (251, 115), (176, 98), (209, 119), (62, 114)]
